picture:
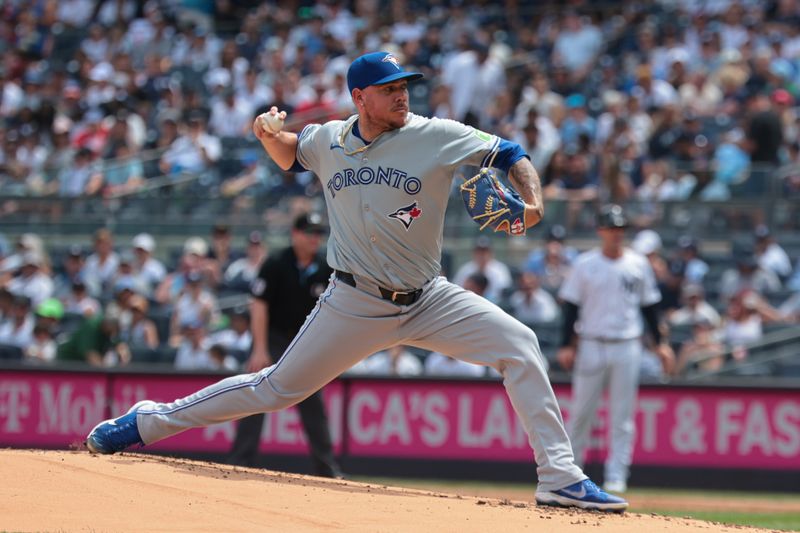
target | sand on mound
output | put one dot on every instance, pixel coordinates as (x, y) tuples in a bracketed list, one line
[(76, 491)]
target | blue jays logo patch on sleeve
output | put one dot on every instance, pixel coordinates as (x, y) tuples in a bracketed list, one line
[(406, 215)]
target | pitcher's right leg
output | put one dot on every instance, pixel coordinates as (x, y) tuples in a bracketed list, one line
[(346, 326)]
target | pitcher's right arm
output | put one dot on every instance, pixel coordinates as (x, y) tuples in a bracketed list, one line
[(281, 146)]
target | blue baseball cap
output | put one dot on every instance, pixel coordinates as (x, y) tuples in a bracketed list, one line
[(376, 68)]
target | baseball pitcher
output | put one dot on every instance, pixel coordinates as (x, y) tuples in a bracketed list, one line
[(387, 174)]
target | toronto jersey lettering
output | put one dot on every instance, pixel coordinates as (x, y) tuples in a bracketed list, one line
[(386, 200), (390, 177)]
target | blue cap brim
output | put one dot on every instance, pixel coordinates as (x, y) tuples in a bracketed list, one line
[(410, 76)]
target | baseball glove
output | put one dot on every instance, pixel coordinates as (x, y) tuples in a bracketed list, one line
[(492, 204)]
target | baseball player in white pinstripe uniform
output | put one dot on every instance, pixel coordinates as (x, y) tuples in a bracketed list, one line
[(607, 292), (387, 175)]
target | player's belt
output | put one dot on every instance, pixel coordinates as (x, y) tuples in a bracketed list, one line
[(399, 298)]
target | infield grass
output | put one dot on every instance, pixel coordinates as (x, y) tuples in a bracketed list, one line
[(726, 507)]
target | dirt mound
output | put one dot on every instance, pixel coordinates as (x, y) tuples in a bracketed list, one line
[(76, 491)]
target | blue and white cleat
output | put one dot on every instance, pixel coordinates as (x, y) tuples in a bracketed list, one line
[(583, 494), (116, 434)]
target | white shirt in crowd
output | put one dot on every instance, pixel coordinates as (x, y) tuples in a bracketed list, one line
[(232, 340), (191, 357), (37, 288), (535, 308), (703, 312), (437, 364), (17, 335), (496, 272), (104, 271), (776, 260), (382, 364)]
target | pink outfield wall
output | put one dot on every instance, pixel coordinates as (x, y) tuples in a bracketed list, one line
[(697, 426)]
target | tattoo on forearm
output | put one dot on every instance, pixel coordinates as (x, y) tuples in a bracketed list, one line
[(525, 180)]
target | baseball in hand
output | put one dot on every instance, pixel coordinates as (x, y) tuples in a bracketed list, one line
[(272, 124)]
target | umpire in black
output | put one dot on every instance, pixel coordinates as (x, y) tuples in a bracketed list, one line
[(284, 293)]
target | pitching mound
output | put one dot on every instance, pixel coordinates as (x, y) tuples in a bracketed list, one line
[(76, 491)]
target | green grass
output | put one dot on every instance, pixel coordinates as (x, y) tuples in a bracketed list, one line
[(786, 521), (775, 521)]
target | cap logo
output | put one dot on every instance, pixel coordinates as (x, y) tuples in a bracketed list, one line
[(389, 58)]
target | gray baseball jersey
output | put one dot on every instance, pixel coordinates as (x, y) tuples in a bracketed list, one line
[(386, 203), (386, 206)]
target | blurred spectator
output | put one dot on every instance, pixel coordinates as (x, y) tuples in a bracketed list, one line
[(672, 285), (195, 304), (81, 177), (241, 273), (770, 255), (147, 268), (577, 183), (103, 263), (743, 324), (577, 44), (747, 275), (123, 174), (6, 302), (648, 243), (789, 310), (119, 308), (552, 263), (32, 282), (530, 303), (126, 273), (696, 268), (477, 283), (193, 347), (42, 347), (79, 301), (71, 271), (439, 364), (483, 261), (195, 251), (577, 122), (219, 359), (194, 151), (395, 361), (237, 336), (18, 329), (695, 308), (141, 331), (96, 341), (219, 253), (730, 164), (704, 349), (231, 116)]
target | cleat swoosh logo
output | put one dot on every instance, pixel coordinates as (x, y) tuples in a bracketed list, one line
[(575, 493), (112, 422)]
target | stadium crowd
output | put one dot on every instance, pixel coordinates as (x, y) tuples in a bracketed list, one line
[(652, 102)]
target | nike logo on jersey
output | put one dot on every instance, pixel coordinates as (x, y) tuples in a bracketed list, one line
[(406, 215)]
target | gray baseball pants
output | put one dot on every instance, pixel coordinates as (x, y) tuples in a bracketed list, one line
[(349, 324)]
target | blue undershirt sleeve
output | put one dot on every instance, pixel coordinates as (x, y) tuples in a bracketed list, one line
[(508, 153)]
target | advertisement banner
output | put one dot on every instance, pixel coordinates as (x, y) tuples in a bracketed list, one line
[(697, 426)]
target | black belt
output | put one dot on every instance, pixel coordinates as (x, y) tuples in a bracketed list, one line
[(399, 298)]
